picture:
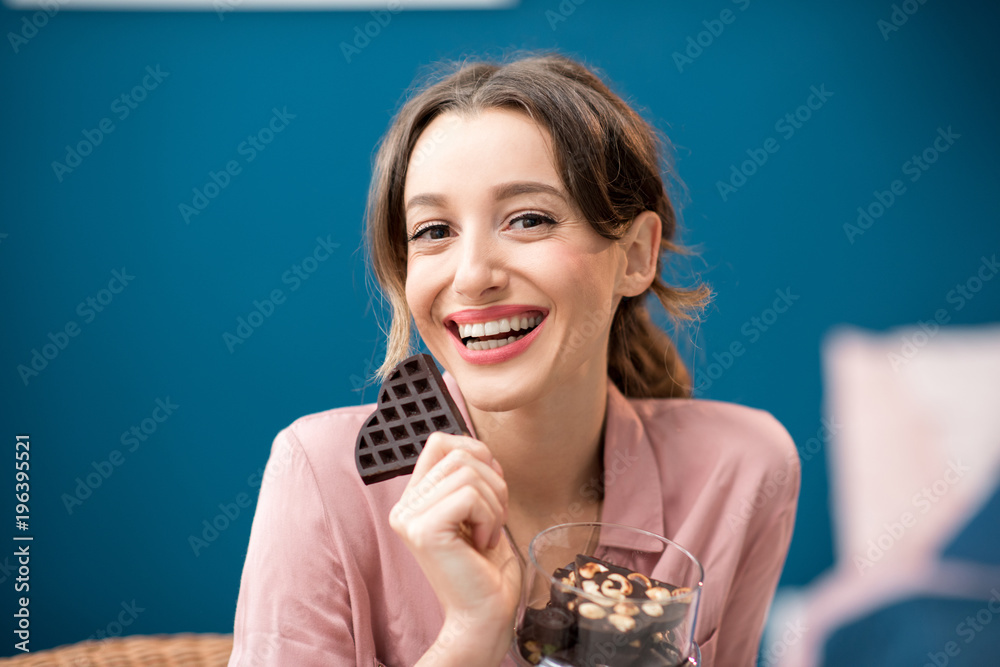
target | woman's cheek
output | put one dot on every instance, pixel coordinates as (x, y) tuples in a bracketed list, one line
[(419, 290), (585, 275)]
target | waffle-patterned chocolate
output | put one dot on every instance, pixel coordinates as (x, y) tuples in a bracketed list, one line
[(413, 402)]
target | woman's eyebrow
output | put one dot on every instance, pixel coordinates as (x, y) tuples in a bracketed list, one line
[(500, 192), (508, 190)]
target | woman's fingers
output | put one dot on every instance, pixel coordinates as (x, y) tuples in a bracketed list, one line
[(453, 473), (439, 445), (467, 505), (443, 455)]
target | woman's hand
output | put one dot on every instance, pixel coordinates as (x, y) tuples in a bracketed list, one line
[(451, 517)]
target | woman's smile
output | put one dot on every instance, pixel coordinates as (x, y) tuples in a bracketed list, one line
[(479, 334)]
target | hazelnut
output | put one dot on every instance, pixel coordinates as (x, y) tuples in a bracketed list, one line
[(616, 582), (588, 570), (652, 609), (658, 594), (592, 611), (623, 623), (640, 578), (627, 608), (611, 590)]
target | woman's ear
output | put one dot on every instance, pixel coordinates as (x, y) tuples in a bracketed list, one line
[(641, 244)]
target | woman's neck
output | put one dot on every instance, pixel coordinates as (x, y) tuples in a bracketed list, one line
[(551, 452)]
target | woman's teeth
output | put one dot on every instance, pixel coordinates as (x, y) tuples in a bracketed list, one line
[(495, 327), (492, 343)]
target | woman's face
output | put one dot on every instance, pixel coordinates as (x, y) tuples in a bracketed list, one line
[(510, 288)]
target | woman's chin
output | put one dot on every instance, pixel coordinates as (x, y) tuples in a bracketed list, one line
[(486, 399), (485, 396)]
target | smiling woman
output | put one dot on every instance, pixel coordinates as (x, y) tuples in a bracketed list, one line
[(518, 220), (579, 124)]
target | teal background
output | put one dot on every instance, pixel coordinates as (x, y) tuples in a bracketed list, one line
[(162, 336)]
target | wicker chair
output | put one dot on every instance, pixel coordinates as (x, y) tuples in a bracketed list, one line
[(187, 650)]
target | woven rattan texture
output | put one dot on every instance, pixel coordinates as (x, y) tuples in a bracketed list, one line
[(189, 650)]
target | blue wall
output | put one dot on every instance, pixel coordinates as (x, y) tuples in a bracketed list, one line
[(885, 99)]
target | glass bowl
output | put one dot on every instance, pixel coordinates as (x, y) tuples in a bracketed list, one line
[(607, 595)]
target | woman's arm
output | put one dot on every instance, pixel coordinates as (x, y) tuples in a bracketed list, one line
[(293, 606), (769, 533)]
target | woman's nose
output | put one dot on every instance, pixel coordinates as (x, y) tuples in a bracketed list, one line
[(480, 269)]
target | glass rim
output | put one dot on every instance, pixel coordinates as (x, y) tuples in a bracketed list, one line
[(687, 597)]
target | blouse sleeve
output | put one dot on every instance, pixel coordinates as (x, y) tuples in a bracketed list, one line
[(738, 634), (293, 607)]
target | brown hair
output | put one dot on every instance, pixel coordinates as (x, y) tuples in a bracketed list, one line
[(608, 158)]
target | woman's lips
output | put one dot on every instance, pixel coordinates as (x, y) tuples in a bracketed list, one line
[(505, 351), (474, 315)]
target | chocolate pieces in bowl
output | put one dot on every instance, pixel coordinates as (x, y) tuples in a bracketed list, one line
[(601, 614)]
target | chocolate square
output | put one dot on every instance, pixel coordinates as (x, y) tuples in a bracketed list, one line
[(413, 402)]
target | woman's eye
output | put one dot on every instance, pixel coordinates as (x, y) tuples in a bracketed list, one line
[(430, 232), (531, 220)]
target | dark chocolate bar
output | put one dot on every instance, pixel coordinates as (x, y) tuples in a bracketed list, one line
[(660, 652), (609, 635), (551, 627), (654, 598), (413, 402), (561, 593), (603, 578)]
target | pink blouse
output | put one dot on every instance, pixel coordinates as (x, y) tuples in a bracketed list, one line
[(327, 582)]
